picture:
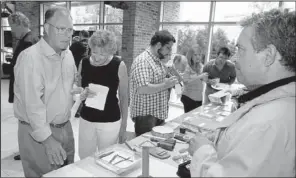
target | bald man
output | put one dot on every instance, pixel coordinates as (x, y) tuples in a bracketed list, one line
[(44, 77)]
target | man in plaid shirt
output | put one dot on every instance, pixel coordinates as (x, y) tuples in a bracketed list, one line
[(149, 85)]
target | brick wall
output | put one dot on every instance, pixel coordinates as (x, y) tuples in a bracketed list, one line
[(128, 31), (140, 22), (171, 14)]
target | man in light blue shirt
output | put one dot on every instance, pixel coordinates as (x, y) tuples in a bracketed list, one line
[(44, 77)]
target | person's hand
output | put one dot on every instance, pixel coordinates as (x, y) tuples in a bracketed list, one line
[(196, 142), (77, 78), (204, 76), (76, 90), (87, 93), (54, 151), (213, 81), (170, 82), (122, 137)]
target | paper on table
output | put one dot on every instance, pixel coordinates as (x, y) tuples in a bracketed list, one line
[(98, 101)]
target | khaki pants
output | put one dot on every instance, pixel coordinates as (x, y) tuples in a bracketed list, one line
[(34, 159)]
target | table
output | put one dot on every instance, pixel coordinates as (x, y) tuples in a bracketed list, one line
[(88, 168)]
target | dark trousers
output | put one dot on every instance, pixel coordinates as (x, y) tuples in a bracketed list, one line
[(10, 92), (189, 104), (145, 124)]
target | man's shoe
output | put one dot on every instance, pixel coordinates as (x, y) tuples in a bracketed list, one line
[(17, 157)]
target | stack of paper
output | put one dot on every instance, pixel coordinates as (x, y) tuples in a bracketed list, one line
[(98, 101)]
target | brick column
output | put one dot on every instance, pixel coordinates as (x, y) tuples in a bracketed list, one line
[(140, 22), (172, 12)]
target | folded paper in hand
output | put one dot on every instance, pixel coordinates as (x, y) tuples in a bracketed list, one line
[(98, 101)]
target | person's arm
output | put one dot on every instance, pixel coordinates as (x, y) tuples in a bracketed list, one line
[(143, 74), (30, 81), (250, 150), (123, 98), (155, 88), (207, 70), (192, 76)]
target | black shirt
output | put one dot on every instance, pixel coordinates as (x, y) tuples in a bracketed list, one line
[(27, 41), (107, 76)]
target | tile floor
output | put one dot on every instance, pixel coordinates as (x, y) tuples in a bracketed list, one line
[(9, 145)]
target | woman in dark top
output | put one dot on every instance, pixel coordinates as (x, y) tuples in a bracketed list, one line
[(100, 128)]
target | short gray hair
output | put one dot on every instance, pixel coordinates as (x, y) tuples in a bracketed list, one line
[(19, 18), (52, 10), (103, 39), (277, 27)]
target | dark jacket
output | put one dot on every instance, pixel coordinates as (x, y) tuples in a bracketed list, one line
[(79, 50), (27, 41)]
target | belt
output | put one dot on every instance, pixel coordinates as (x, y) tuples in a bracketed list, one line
[(51, 124)]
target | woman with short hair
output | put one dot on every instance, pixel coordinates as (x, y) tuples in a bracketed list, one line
[(99, 129)]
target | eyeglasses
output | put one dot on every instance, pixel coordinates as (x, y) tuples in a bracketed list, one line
[(63, 30)]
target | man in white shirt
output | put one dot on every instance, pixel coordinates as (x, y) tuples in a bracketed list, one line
[(258, 139), (44, 76)]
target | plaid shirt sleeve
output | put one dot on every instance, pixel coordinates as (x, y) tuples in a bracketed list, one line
[(143, 74)]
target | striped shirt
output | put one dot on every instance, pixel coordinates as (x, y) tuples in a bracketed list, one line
[(148, 69)]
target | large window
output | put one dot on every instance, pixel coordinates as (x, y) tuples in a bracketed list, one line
[(188, 36), (235, 11), (209, 25), (224, 35), (186, 11), (219, 19), (113, 15), (85, 12)]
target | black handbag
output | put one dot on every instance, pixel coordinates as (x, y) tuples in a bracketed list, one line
[(7, 68)]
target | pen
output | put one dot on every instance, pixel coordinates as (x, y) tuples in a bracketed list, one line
[(106, 154)]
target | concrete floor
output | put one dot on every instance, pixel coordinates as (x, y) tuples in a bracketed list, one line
[(9, 144)]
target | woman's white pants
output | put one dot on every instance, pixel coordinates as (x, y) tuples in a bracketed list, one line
[(94, 135)]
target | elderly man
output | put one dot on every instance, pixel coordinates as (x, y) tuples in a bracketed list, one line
[(259, 138), (220, 68), (149, 86), (20, 27), (44, 77)]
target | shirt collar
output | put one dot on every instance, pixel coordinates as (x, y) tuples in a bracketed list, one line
[(225, 65), (155, 58), (265, 88), (48, 50)]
